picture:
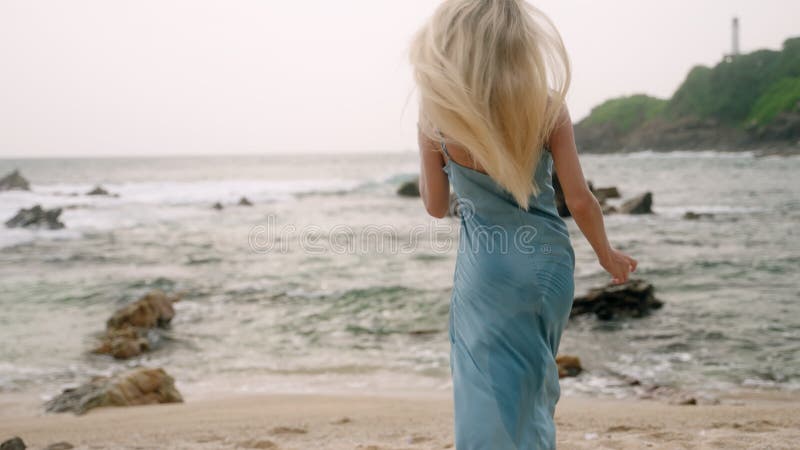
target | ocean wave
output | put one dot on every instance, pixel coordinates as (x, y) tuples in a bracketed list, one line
[(694, 154)]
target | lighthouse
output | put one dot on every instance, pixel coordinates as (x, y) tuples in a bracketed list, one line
[(735, 50)]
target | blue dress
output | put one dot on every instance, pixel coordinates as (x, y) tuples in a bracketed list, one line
[(512, 294)]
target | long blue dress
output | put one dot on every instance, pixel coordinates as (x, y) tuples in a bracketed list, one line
[(512, 295)]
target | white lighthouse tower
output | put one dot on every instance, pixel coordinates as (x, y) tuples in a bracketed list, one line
[(735, 47)]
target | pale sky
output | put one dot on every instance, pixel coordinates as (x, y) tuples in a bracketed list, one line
[(168, 77)]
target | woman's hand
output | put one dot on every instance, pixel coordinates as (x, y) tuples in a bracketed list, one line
[(619, 265)]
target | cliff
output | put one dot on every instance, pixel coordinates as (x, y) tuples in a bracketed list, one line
[(749, 101)]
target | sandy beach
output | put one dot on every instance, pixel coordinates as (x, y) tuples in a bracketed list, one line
[(416, 421)]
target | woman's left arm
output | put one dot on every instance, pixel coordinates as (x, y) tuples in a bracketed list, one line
[(434, 186)]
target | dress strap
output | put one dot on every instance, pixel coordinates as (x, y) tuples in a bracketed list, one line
[(442, 144)]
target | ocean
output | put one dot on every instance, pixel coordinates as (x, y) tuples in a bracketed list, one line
[(332, 282)]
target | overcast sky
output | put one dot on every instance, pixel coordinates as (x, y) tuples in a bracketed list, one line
[(166, 77)]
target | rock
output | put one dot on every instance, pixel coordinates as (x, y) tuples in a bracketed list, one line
[(138, 386), (245, 202), (608, 209), (683, 400), (59, 446), (14, 443), (691, 215), (131, 330), (568, 366), (36, 217), (218, 206), (601, 195), (409, 188), (98, 190), (635, 298), (14, 181), (606, 193), (642, 204)]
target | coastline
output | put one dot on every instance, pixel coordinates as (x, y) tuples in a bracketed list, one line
[(401, 420)]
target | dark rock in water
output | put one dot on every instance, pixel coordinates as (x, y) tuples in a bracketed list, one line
[(245, 202), (138, 386), (218, 206), (608, 209), (601, 196), (691, 215), (642, 204), (98, 190), (635, 298), (14, 443), (568, 366), (59, 446), (36, 217), (409, 188), (132, 330), (606, 193), (14, 181)]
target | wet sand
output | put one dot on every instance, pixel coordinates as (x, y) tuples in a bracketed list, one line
[(412, 421)]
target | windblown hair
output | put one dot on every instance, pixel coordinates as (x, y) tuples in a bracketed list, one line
[(493, 76)]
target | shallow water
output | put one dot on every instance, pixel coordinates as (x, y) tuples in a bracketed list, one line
[(332, 280)]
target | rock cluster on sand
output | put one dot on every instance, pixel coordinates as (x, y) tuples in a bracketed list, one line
[(14, 181), (138, 386), (14, 443), (244, 201), (36, 217), (568, 366), (635, 298), (409, 188), (132, 330)]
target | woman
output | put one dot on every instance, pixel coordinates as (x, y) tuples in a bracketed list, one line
[(492, 76)]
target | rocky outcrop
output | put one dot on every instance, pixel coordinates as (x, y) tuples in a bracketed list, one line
[(244, 201), (784, 127), (60, 446), (138, 386), (218, 206), (36, 217), (641, 204), (691, 133), (98, 190), (14, 443), (14, 181), (601, 194), (409, 188), (568, 366), (604, 193), (635, 298), (134, 329), (691, 215)]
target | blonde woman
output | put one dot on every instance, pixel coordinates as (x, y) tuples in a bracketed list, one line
[(492, 77)]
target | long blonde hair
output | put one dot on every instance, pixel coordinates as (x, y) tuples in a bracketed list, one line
[(493, 76)]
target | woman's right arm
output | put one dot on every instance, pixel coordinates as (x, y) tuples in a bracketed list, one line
[(582, 204)]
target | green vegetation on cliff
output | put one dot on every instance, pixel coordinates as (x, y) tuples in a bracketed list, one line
[(781, 96), (626, 113), (746, 97)]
